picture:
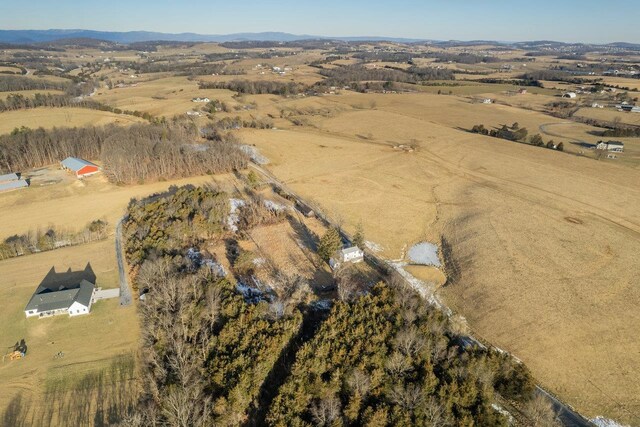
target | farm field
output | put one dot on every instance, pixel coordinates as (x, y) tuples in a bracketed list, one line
[(502, 206), (61, 117), (96, 376), (539, 247), (58, 198)]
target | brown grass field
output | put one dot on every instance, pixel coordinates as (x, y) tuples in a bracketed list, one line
[(58, 198), (545, 241), (544, 244), (60, 117), (96, 376)]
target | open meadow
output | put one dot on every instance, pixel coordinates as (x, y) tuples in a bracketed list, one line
[(61, 117), (542, 241), (95, 381), (539, 246)]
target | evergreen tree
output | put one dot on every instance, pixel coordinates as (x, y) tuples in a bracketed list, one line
[(358, 236), (329, 244)]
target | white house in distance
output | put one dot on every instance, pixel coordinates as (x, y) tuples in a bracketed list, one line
[(352, 254), (198, 99), (616, 146), (569, 95)]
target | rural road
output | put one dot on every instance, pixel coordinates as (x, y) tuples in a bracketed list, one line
[(125, 291), (567, 416), (544, 129)]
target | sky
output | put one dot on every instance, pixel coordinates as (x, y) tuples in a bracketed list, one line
[(589, 21)]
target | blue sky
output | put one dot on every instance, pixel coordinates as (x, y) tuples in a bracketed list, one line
[(509, 20)]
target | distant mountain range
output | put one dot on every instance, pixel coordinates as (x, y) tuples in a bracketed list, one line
[(26, 37), (40, 36)]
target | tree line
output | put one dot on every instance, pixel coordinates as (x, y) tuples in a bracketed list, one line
[(46, 239), (139, 153), (258, 87), (517, 134), (347, 74), (14, 83)]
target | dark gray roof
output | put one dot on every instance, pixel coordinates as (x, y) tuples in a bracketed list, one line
[(52, 300), (9, 177), (61, 299), (75, 164), (60, 290), (85, 293), (13, 185)]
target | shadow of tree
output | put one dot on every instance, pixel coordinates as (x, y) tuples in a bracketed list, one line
[(98, 398)]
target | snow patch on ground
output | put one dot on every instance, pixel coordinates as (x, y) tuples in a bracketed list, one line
[(198, 260), (503, 411), (277, 207), (426, 290), (605, 422), (373, 246), (424, 253), (254, 154), (232, 219)]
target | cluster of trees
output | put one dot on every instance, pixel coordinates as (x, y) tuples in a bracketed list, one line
[(348, 74), (206, 351), (385, 56), (212, 357), (40, 240), (463, 58), (622, 132), (386, 358), (258, 87), (141, 152), (516, 133), (512, 133), (182, 68), (14, 83)]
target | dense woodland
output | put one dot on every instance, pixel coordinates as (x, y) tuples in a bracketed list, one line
[(212, 356), (257, 87), (139, 153), (14, 83), (357, 73)]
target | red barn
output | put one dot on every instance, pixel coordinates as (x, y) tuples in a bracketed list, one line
[(79, 167)]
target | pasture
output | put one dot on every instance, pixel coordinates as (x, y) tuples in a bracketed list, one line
[(542, 241), (61, 117), (95, 381)]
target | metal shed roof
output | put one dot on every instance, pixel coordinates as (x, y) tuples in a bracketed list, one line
[(9, 177), (13, 185), (75, 164)]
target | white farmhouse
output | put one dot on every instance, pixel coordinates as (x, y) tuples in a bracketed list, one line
[(63, 293), (616, 146), (352, 254), (569, 95)]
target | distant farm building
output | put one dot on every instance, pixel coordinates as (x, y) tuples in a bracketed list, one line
[(569, 95), (522, 91), (69, 292), (198, 99), (629, 108), (487, 101), (12, 181), (616, 146), (81, 168)]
